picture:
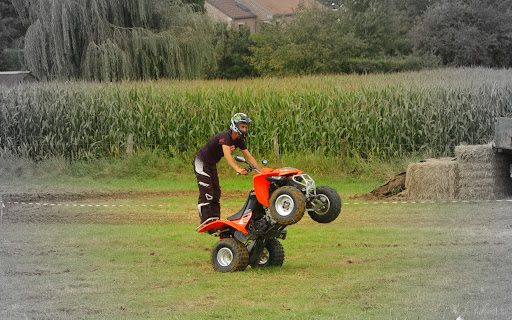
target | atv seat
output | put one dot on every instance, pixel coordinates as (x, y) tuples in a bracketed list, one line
[(248, 206)]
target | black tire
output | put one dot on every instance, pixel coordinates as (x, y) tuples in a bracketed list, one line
[(229, 255), (287, 205), (326, 207), (272, 255)]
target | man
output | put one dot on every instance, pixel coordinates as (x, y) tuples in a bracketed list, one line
[(205, 164)]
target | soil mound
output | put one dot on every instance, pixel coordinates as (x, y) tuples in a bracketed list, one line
[(392, 188)]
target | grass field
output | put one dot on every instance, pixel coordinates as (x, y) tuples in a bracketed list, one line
[(155, 173), (435, 261), (128, 248)]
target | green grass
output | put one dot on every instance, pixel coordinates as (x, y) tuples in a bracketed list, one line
[(156, 172), (386, 262), (345, 186), (403, 261)]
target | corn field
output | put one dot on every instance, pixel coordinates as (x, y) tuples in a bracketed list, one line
[(368, 117)]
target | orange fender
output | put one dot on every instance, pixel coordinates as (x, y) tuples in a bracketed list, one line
[(239, 224), (261, 184)]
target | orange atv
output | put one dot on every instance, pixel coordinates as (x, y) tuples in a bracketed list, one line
[(279, 199)]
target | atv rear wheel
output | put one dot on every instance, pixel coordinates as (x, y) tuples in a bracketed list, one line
[(287, 205), (229, 255), (272, 255), (326, 207)]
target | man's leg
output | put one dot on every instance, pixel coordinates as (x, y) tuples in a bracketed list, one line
[(206, 195), (215, 203)]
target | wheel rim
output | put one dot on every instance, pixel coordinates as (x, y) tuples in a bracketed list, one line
[(284, 205), (225, 257), (265, 256), (322, 204)]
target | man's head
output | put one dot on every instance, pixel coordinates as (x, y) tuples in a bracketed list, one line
[(240, 124)]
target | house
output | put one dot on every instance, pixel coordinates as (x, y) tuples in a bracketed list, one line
[(267, 9), (233, 12), (14, 78), (238, 13)]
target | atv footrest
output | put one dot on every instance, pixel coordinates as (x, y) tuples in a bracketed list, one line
[(282, 235), (206, 222)]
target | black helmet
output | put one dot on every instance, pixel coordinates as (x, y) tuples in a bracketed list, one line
[(236, 120)]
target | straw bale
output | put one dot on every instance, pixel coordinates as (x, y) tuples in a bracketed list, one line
[(501, 190), (483, 174), (477, 154), (479, 173), (483, 166), (477, 193), (432, 179), (469, 181)]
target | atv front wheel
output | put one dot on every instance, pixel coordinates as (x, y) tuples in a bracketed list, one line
[(287, 205), (272, 255), (326, 206), (230, 255)]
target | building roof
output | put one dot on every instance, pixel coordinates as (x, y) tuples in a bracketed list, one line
[(284, 7), (232, 9), (12, 78)]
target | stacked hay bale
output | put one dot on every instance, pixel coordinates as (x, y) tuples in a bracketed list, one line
[(483, 174), (432, 179), (477, 173)]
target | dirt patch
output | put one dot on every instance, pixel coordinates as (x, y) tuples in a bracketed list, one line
[(74, 197), (37, 272), (390, 190), (358, 261), (58, 207), (99, 215)]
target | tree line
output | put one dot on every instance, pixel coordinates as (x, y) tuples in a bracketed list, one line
[(110, 40)]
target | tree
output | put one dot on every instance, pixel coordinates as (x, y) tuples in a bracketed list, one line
[(11, 30), (380, 25), (232, 52), (198, 5), (115, 39), (467, 33), (316, 40), (414, 9)]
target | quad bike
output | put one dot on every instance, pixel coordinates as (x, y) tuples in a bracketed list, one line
[(279, 199)]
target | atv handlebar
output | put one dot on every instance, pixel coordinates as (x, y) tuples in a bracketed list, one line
[(250, 167)]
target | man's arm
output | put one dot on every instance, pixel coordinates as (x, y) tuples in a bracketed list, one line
[(248, 156), (231, 161)]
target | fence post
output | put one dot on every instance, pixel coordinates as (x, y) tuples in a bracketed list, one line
[(2, 206), (129, 145), (343, 150), (276, 150)]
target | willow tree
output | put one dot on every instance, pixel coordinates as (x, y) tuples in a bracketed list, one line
[(115, 39)]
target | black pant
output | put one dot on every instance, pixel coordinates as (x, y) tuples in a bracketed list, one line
[(209, 190)]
